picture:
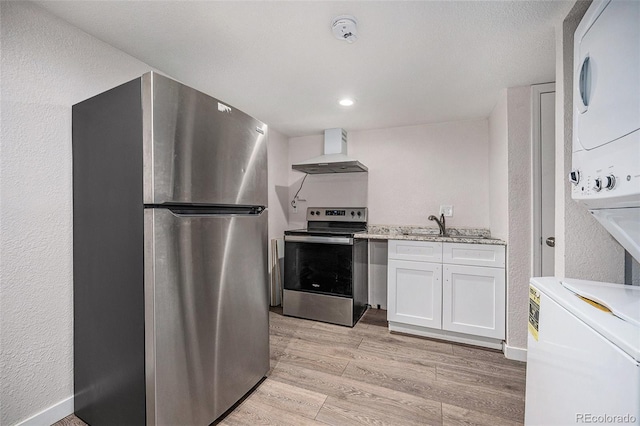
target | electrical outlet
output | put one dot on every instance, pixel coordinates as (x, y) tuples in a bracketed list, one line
[(295, 209), (447, 211)]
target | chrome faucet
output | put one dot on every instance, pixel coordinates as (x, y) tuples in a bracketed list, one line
[(440, 223)]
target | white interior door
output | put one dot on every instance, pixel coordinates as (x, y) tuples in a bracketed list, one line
[(543, 135), (548, 166)]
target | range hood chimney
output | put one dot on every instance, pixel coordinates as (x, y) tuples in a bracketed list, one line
[(335, 158)]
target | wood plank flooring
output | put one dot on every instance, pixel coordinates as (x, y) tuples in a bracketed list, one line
[(323, 374)]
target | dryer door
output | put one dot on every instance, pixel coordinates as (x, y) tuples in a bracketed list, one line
[(606, 69)]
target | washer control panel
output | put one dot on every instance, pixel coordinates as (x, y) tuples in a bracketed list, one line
[(608, 178)]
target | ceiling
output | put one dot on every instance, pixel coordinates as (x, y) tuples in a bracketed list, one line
[(415, 62)]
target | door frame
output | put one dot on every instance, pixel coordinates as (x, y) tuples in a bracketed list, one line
[(537, 90)]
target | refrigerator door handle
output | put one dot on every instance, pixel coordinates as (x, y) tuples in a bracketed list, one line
[(199, 211)]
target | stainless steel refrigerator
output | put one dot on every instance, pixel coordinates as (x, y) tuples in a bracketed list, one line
[(170, 255)]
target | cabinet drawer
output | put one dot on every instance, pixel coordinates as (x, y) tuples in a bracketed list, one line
[(473, 254), (423, 251)]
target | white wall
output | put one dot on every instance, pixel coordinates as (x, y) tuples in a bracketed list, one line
[(278, 153), (584, 249), (47, 66), (520, 214), (498, 169), (510, 193), (412, 171), (328, 190)]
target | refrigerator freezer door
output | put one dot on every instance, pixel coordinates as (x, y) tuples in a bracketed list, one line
[(199, 150), (206, 298)]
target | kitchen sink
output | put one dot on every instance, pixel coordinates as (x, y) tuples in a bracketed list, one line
[(434, 235), (421, 234)]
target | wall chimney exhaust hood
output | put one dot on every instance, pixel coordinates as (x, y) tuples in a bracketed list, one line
[(335, 158)]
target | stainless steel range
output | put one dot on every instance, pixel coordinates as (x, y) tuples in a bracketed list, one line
[(325, 267)]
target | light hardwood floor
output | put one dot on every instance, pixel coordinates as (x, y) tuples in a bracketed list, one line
[(327, 374)]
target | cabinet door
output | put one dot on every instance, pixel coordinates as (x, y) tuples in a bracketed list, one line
[(415, 293), (473, 300)]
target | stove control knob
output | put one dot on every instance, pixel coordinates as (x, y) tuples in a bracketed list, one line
[(609, 182), (312, 213), (317, 213), (598, 185), (352, 214), (359, 214)]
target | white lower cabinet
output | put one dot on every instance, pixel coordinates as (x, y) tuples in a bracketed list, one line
[(473, 300), (461, 301), (417, 293)]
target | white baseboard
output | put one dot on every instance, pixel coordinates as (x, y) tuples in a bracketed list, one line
[(51, 415), (445, 335), (518, 354)]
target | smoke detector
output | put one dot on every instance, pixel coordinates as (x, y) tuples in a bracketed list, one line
[(345, 27)]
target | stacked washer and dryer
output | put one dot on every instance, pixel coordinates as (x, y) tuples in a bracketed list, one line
[(583, 356)]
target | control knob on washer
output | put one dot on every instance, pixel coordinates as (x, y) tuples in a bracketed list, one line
[(609, 182), (574, 177), (598, 185)]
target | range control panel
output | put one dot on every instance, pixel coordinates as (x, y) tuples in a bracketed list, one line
[(337, 214)]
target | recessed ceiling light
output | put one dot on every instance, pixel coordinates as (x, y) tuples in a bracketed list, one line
[(346, 102)]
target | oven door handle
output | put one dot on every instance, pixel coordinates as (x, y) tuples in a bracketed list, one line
[(319, 240)]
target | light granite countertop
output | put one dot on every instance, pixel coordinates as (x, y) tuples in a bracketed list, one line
[(421, 233)]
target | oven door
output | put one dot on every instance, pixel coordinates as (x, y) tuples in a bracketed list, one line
[(319, 264)]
